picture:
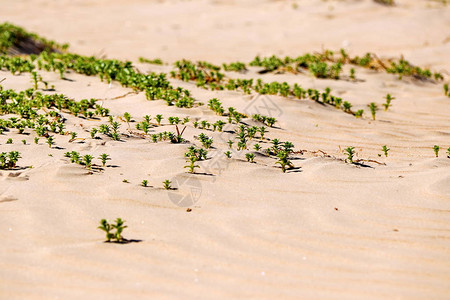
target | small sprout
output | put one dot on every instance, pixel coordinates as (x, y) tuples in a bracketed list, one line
[(257, 147), (385, 150), (36, 140), (87, 159), (93, 132), (104, 157), (352, 74), (167, 185), (106, 227), (125, 181), (9, 141), (191, 166), (446, 93), (350, 153), (73, 136), (388, 98), (436, 149), (24, 142), (127, 117), (448, 152), (230, 143), (283, 160), (119, 228), (250, 157), (373, 109), (228, 154), (50, 141), (359, 113), (347, 106), (144, 183), (158, 119)]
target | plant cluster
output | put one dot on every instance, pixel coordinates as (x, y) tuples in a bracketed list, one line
[(8, 160), (118, 226)]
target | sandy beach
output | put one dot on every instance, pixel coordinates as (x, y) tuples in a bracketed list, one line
[(325, 229)]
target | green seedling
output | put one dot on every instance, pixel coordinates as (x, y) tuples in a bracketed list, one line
[(87, 160), (144, 183), (50, 141), (24, 142), (359, 113), (127, 117), (388, 98), (106, 227), (257, 147), (436, 149), (227, 154), (36, 140), (9, 141), (158, 119), (350, 153), (191, 166), (73, 136), (448, 152), (385, 150), (104, 157), (119, 227), (352, 74), (446, 93), (250, 157), (373, 109), (167, 184), (283, 160)]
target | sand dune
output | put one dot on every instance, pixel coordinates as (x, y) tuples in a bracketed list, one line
[(325, 230)]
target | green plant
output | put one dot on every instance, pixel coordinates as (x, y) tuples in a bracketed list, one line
[(385, 150), (127, 117), (36, 140), (50, 141), (436, 149), (144, 183), (24, 142), (9, 160), (106, 227), (448, 152), (191, 166), (359, 113), (158, 119), (104, 157), (87, 160), (9, 141), (446, 89), (350, 153), (167, 184), (118, 226), (227, 154), (250, 157), (257, 147), (352, 74), (125, 181), (283, 160), (73, 136), (373, 109), (388, 98)]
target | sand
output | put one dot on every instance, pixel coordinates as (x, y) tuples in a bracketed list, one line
[(326, 230)]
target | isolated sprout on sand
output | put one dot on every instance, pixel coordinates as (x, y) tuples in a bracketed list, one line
[(104, 157), (385, 150), (388, 98), (350, 153), (167, 184), (144, 183), (227, 154), (436, 149), (373, 109)]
